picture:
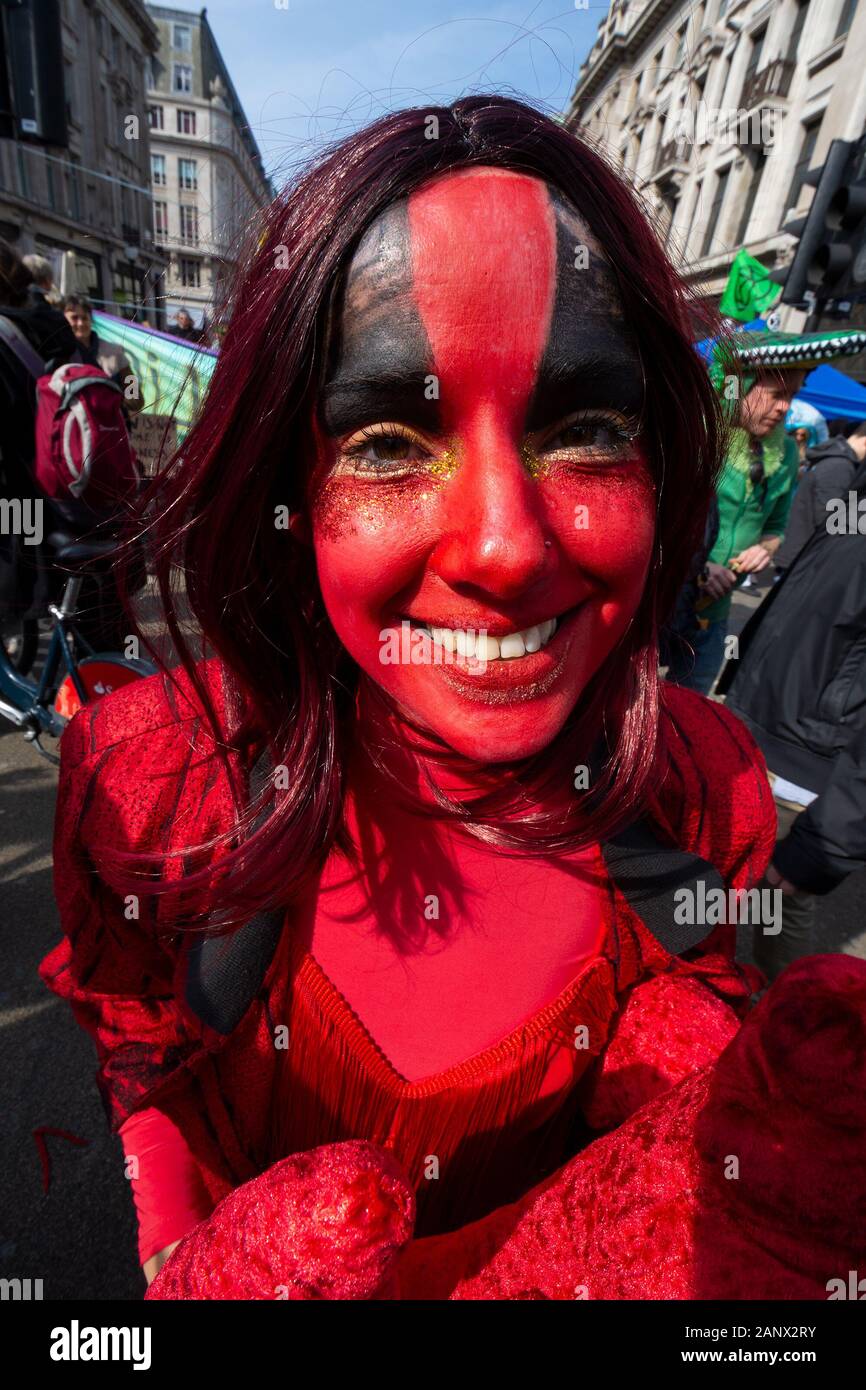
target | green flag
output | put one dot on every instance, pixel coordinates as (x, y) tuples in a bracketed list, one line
[(173, 375), (749, 292)]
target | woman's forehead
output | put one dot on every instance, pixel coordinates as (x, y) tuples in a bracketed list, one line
[(485, 273)]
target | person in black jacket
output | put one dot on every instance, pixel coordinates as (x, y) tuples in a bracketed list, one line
[(829, 470), (26, 306), (800, 686)]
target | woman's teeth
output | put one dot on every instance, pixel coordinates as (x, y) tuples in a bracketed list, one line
[(482, 647)]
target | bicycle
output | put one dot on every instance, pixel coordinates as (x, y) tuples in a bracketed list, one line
[(67, 681)]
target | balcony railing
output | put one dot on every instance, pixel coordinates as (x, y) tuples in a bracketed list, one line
[(773, 80)]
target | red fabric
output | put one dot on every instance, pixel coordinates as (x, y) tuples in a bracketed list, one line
[(745, 1181), (166, 1187), (328, 1224), (441, 944), (139, 771)]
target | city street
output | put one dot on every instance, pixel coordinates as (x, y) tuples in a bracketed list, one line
[(79, 1237)]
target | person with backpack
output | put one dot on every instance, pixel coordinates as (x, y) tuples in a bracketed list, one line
[(67, 450)]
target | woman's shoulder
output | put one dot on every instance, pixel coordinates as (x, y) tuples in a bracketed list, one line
[(142, 769), (165, 707), (711, 789)]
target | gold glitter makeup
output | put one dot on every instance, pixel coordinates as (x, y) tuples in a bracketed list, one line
[(536, 467)]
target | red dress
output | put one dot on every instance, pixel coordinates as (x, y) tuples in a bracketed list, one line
[(139, 771)]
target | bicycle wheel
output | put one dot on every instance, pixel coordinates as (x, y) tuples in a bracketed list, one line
[(100, 675), (20, 639)]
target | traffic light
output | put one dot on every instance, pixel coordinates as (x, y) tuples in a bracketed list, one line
[(830, 260)]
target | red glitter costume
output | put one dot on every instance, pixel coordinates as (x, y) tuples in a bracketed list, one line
[(139, 771)]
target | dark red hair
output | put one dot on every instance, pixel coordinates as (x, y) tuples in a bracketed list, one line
[(252, 589)]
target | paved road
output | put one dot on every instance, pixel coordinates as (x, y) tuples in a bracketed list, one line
[(79, 1236)]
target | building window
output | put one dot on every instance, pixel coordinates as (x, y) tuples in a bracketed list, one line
[(189, 271), (189, 224), (797, 29), (181, 38), (681, 47), (752, 65), (751, 195), (70, 189), (845, 16), (804, 160), (715, 210), (185, 122), (157, 170), (182, 81), (160, 221), (187, 174), (156, 117)]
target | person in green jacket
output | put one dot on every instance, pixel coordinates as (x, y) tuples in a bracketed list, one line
[(754, 493)]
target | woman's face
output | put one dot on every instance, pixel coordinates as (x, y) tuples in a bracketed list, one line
[(482, 510)]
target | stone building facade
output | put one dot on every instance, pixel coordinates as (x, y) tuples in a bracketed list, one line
[(716, 110), (84, 202), (207, 177)]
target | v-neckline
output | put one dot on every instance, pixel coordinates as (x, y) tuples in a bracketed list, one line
[(596, 978)]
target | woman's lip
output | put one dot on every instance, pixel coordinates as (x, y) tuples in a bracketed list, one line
[(521, 678), (492, 627)]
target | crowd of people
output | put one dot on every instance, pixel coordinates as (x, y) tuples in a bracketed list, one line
[(797, 674)]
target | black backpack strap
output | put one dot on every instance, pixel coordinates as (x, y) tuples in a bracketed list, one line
[(225, 973), (649, 873)]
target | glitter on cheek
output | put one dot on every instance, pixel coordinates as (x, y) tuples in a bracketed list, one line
[(535, 466), (346, 502)]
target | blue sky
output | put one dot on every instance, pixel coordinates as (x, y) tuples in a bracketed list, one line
[(321, 68)]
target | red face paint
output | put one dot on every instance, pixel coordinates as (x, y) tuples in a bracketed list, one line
[(479, 503)]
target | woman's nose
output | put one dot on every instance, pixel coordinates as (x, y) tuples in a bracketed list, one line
[(493, 534)]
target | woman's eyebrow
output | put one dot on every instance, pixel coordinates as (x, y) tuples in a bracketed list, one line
[(608, 375), (349, 401)]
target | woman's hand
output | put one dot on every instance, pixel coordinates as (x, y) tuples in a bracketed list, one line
[(719, 581), (329, 1223), (752, 560)]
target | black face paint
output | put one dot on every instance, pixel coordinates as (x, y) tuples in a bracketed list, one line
[(383, 358), (590, 360)]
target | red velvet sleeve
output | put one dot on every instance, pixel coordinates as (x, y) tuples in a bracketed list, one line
[(170, 1198), (111, 965)]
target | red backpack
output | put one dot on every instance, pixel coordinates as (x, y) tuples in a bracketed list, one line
[(82, 447), (82, 442)]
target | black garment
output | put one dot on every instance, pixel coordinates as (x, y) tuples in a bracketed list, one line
[(830, 468), (46, 328), (26, 579), (679, 631), (800, 686)]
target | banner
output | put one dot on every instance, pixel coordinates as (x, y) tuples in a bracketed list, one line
[(749, 291), (173, 375)]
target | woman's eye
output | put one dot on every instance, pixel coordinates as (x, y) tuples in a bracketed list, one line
[(383, 447), (593, 436)]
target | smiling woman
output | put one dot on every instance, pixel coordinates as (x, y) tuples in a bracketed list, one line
[(434, 874)]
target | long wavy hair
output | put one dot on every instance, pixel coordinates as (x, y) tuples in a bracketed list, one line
[(251, 590)]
